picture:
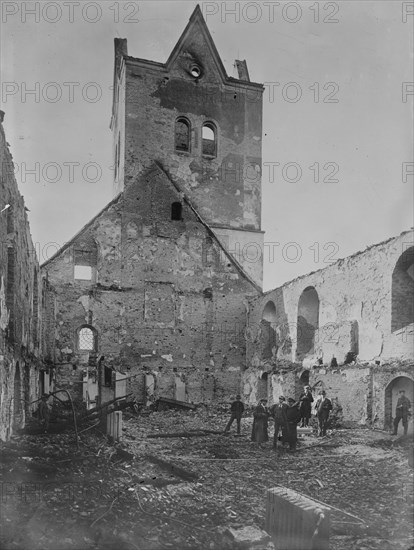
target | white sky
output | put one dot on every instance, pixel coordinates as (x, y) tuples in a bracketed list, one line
[(367, 133)]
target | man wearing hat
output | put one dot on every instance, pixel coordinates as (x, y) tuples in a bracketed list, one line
[(323, 407), (402, 412), (292, 417), (260, 417), (236, 409), (278, 412), (306, 400)]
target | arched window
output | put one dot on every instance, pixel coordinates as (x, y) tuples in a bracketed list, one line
[(86, 339), (209, 140), (176, 211), (268, 332), (182, 134), (308, 321), (402, 294)]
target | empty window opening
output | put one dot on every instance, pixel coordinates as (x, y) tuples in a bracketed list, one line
[(402, 293), (176, 211), (86, 339), (182, 135), (208, 136), (83, 272), (107, 376), (268, 331), (195, 71), (262, 387), (85, 257), (308, 322)]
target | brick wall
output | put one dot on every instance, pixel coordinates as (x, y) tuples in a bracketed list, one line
[(148, 99), (165, 297), (21, 347), (364, 321)]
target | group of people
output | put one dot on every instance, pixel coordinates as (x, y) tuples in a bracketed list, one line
[(286, 416)]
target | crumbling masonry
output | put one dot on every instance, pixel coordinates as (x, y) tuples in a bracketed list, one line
[(160, 293), (348, 329), (26, 308)]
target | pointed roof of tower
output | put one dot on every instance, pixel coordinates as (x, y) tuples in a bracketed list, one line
[(196, 26)]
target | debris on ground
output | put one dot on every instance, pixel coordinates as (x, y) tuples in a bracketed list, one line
[(188, 493)]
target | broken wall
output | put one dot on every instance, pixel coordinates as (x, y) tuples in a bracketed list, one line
[(163, 298), (21, 304), (224, 183), (355, 337), (354, 311)]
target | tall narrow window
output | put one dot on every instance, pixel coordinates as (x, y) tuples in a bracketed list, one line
[(307, 322), (182, 134), (209, 140), (176, 211)]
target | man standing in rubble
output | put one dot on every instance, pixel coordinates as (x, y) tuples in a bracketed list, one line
[(293, 417), (236, 409), (306, 400), (323, 407), (402, 412), (278, 412), (44, 411)]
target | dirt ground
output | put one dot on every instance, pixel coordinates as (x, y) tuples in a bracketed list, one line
[(55, 497)]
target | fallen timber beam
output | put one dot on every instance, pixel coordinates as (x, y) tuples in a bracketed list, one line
[(326, 445), (166, 402), (173, 469), (104, 406), (201, 433)]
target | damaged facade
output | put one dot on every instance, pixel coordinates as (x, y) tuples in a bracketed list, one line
[(348, 329), (26, 308), (159, 295), (150, 299)]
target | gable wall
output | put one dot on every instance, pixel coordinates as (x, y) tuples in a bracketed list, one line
[(166, 297)]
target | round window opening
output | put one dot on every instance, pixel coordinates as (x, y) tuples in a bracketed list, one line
[(195, 71)]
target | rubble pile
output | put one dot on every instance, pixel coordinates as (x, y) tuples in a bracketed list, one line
[(183, 492)]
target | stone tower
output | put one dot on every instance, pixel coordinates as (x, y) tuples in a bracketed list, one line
[(202, 127)]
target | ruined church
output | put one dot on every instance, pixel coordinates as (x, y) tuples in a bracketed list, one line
[(160, 294)]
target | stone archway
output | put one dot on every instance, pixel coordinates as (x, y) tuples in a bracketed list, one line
[(268, 330), (307, 322), (391, 397), (402, 291)]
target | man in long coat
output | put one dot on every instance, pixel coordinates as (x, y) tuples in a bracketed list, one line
[(236, 409), (260, 422), (306, 400), (402, 412), (293, 417), (323, 407), (278, 412)]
